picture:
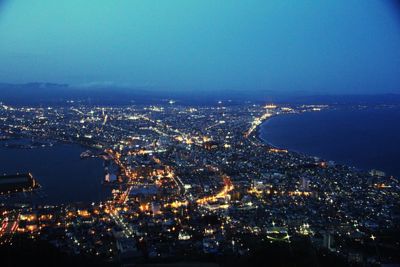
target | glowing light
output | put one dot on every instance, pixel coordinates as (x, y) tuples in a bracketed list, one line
[(270, 106)]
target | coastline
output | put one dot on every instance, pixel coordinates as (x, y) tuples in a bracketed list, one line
[(257, 134), (357, 161)]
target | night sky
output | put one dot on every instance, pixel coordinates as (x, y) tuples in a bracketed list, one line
[(330, 46)]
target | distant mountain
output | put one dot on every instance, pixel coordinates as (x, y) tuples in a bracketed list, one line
[(37, 93), (52, 93), (33, 85), (30, 92)]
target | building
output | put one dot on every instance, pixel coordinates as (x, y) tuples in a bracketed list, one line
[(377, 173), (305, 184)]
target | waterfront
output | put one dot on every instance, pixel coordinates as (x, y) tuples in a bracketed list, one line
[(63, 175), (367, 138)]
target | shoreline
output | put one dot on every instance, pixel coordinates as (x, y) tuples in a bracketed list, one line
[(257, 136)]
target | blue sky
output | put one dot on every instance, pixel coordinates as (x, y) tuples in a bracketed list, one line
[(328, 46)]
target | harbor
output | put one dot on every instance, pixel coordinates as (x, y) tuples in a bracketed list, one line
[(76, 179)]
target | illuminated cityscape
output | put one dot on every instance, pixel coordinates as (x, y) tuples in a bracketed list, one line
[(200, 133), (194, 182)]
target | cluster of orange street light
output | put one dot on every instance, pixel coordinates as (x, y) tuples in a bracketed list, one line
[(228, 187)]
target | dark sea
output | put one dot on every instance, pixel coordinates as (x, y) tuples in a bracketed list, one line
[(366, 139), (63, 175)]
